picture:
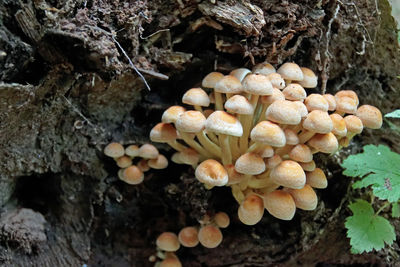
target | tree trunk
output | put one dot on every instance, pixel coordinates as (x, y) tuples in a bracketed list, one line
[(68, 89)]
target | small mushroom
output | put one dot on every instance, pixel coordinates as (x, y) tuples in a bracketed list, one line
[(250, 212), (221, 219), (114, 150), (280, 204), (132, 175), (210, 236), (188, 237), (168, 241)]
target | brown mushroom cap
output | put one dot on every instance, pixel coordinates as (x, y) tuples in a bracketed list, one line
[(143, 165), (210, 236), (318, 121), (291, 71), (331, 101), (168, 241), (289, 173), (229, 85), (339, 125), (294, 92), (239, 104), (221, 219), (250, 163), (196, 97), (240, 73), (310, 80), (250, 212), (148, 151), (301, 153), (276, 80), (316, 178), (353, 124), (308, 166), (188, 237), (211, 79), (114, 150), (325, 143), (158, 163), (132, 151), (163, 132), (124, 162), (172, 113), (316, 102), (257, 84), (269, 133), (305, 198), (211, 172), (263, 68), (191, 121), (283, 111), (280, 204), (221, 122), (132, 175), (370, 116)]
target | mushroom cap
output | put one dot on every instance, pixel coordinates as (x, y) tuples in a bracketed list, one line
[(301, 108), (189, 156), (158, 163), (172, 113), (163, 132), (325, 143), (291, 71), (148, 151), (269, 99), (301, 153), (308, 166), (276, 80), (191, 121), (353, 124), (176, 158), (318, 121), (221, 122), (114, 150), (196, 97), (124, 162), (289, 173), (316, 102), (291, 137), (348, 93), (239, 104), (370, 116), (143, 165), (331, 101), (188, 237), (250, 163), (273, 161), (211, 79), (170, 262), (229, 85), (132, 175), (316, 178), (266, 151), (210, 236), (168, 241), (269, 133), (221, 219), (132, 151), (339, 125), (283, 111), (346, 104), (294, 92), (234, 177), (240, 73), (263, 68), (305, 198), (280, 204), (257, 84), (211, 172), (251, 210), (310, 80)]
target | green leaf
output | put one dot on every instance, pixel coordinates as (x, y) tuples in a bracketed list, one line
[(378, 167), (396, 210), (366, 230), (393, 114)]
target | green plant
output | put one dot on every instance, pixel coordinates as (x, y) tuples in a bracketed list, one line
[(378, 167)]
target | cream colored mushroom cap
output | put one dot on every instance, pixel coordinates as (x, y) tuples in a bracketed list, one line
[(221, 219), (269, 99), (239, 104), (331, 101), (170, 262), (294, 92), (325, 143), (251, 211), (211, 79), (310, 80), (124, 162), (301, 153), (273, 161), (318, 121), (269, 133), (188, 237), (196, 97), (257, 84), (234, 177), (221, 122), (263, 68), (316, 102), (339, 125), (301, 108), (114, 150), (266, 151), (148, 151), (240, 73), (168, 241), (280, 204), (305, 198), (370, 116), (189, 156), (211, 172), (210, 236), (132, 151), (191, 121), (276, 80), (172, 113), (289, 174), (163, 132), (346, 104), (291, 71), (316, 179), (158, 163), (348, 93), (308, 166), (283, 111), (250, 163), (229, 85), (291, 137), (353, 124)]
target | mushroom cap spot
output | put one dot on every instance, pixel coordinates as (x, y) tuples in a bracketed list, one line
[(170, 262), (158, 163), (143, 165), (221, 122), (291, 137), (316, 178), (263, 68), (339, 125), (325, 143), (266, 151), (211, 172), (114, 150), (196, 97), (370, 116), (291, 71), (168, 241), (132, 151), (257, 84), (301, 153), (148, 151), (172, 113), (163, 132), (283, 111), (124, 162), (289, 173), (280, 204), (346, 104), (239, 104), (221, 219), (211, 79), (234, 177), (269, 99), (276, 80), (308, 166), (210, 236), (316, 102), (347, 93), (353, 124), (310, 80), (240, 73), (228, 85), (132, 175), (191, 121), (300, 107), (331, 101), (305, 198), (273, 161), (294, 92), (269, 133), (250, 163), (318, 121), (251, 210), (188, 237), (189, 156)]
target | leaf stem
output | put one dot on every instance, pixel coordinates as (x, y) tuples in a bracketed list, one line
[(382, 208)]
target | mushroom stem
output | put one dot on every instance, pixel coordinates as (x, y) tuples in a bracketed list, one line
[(212, 137), (218, 101), (262, 181), (198, 108), (262, 114), (226, 155), (176, 145), (234, 143), (208, 145), (283, 150), (254, 147), (196, 146), (244, 183), (237, 193), (244, 139), (257, 113)]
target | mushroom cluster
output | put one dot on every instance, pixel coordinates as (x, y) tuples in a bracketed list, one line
[(260, 136), (134, 173), (208, 234)]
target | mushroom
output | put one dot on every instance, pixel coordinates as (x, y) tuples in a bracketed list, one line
[(308, 166), (114, 150), (196, 97), (132, 151), (166, 133), (316, 178), (168, 241), (294, 92), (221, 219), (273, 161), (301, 153), (280, 204), (290, 72), (211, 173), (160, 162), (171, 114), (251, 211), (263, 68), (170, 262), (331, 101), (339, 125), (325, 143), (228, 85), (124, 162), (240, 73), (317, 121), (283, 111), (267, 133), (188, 237), (143, 165), (354, 126), (132, 175), (316, 102), (211, 79), (305, 198), (210, 236), (370, 116), (310, 80), (289, 174), (148, 151)]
